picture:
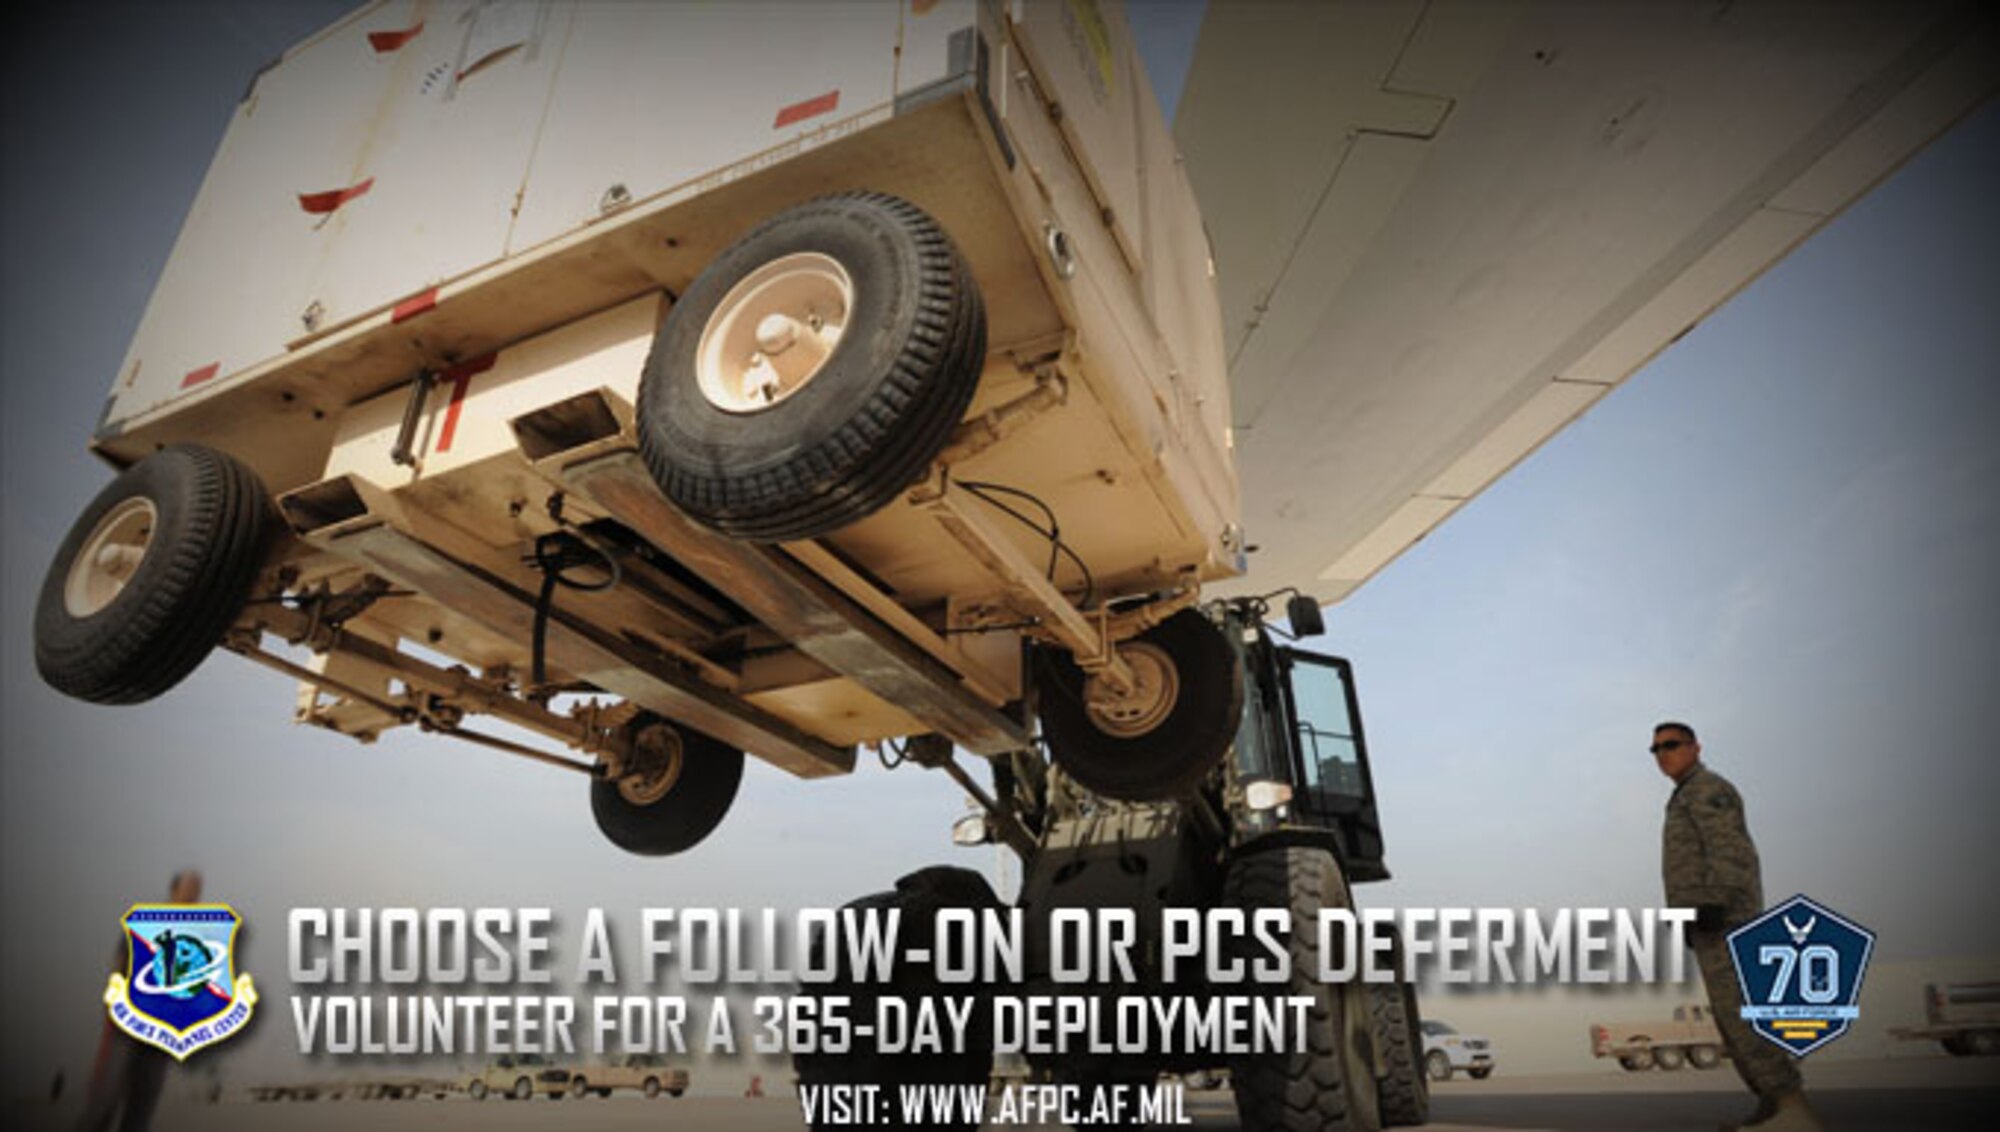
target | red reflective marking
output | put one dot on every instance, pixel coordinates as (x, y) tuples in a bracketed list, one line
[(197, 376), (460, 377), (810, 108), (317, 203), (384, 41), (414, 305)]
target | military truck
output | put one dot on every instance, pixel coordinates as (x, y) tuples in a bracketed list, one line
[(1963, 1018), (519, 1077), (647, 1074), (1688, 1038), (676, 382), (1287, 819)]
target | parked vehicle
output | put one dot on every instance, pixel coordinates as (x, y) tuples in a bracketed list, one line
[(1446, 1052), (519, 1077), (644, 1073), (1689, 1038), (1964, 1018)]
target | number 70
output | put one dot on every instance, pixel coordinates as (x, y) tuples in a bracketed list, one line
[(1819, 971)]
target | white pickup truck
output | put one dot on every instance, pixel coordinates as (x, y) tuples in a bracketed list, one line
[(681, 381), (1446, 1052)]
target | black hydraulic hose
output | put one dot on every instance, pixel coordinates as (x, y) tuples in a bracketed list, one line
[(557, 553)]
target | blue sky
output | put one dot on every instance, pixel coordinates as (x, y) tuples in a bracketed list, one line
[(1783, 530)]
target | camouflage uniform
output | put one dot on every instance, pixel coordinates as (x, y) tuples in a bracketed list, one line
[(1709, 859)]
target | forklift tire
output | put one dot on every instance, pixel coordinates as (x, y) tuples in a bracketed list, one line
[(1181, 744), (919, 896), (1330, 1084), (1406, 1091), (687, 784), (767, 454), (151, 576)]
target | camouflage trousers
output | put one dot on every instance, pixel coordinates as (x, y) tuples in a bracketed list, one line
[(1764, 1067)]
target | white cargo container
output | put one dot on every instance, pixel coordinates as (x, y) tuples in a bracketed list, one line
[(767, 373)]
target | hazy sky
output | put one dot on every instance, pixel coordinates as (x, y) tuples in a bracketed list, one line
[(1783, 530)]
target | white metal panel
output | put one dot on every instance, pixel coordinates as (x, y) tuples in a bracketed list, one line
[(1179, 289), (652, 96), (446, 153), (924, 54), (1599, 178), (1553, 406), (303, 129), (1082, 50), (1276, 98), (466, 418)]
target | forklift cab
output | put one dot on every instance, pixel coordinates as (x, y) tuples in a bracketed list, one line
[(1301, 728)]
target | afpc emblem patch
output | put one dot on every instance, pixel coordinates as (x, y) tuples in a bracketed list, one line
[(180, 990), (1800, 966)]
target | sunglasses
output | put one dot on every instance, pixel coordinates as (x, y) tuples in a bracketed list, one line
[(1669, 745)]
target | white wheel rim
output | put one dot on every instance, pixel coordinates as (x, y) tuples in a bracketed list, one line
[(773, 332), (110, 556), (1156, 688), (657, 758)]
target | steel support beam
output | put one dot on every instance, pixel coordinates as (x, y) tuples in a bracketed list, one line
[(591, 654), (805, 610)]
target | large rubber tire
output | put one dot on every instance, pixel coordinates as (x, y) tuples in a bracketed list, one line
[(651, 1088), (209, 520), (1481, 1073), (1406, 1090), (1437, 1065), (524, 1089), (1669, 1058), (477, 1090), (919, 896), (1704, 1056), (1330, 1084), (867, 424), (1636, 1062), (1180, 749), (689, 810)]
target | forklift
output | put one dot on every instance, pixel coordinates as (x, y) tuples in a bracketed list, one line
[(1286, 818)]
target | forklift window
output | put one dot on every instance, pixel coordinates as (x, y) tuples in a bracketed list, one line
[(1324, 727)]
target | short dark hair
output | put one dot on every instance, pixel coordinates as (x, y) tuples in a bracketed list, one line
[(1676, 725)]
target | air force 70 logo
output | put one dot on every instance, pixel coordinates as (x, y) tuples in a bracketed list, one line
[(180, 991), (1800, 967)]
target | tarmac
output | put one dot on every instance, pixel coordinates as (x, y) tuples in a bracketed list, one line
[(1932, 1093)]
